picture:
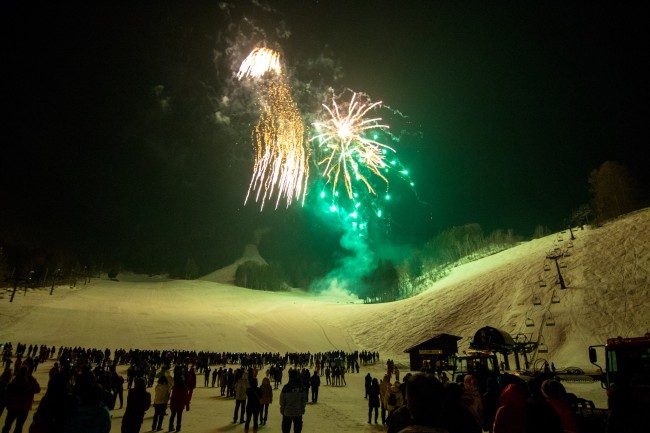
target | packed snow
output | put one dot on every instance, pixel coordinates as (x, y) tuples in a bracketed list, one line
[(607, 295)]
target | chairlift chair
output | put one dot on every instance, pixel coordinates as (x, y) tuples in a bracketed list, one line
[(529, 322), (560, 238), (569, 245), (547, 267), (567, 253), (542, 283), (537, 300), (550, 321), (542, 348), (555, 299), (562, 264)]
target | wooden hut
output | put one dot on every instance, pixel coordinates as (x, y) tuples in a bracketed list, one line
[(434, 352)]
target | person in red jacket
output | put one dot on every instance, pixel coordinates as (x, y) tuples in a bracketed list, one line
[(555, 395), (511, 414), (180, 400), (20, 397), (520, 413)]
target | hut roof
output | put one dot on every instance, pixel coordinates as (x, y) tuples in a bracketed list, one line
[(439, 338)]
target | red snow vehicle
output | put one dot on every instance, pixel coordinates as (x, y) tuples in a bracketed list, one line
[(626, 378)]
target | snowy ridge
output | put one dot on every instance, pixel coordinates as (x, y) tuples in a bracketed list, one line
[(607, 295), (226, 274)]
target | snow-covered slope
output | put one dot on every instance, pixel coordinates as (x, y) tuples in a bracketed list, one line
[(607, 296), (226, 274)]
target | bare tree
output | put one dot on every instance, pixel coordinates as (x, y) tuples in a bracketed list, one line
[(541, 231), (613, 191)]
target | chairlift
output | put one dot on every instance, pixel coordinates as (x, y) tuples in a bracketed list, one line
[(537, 300), (563, 264), (567, 253), (569, 245), (547, 267), (542, 348), (555, 299), (521, 338), (560, 238), (542, 283), (550, 321), (529, 322)]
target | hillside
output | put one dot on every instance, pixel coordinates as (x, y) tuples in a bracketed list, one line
[(607, 295)]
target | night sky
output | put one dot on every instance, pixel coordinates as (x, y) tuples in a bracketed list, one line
[(110, 149)]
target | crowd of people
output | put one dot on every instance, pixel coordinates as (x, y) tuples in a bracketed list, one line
[(427, 402), (84, 385)]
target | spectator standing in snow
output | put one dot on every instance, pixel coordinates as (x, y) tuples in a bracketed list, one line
[(53, 407), (472, 398), (394, 398), (511, 414), (215, 374), (117, 386), (253, 395), (367, 382), (180, 400), (490, 403), (160, 400), (223, 381), (241, 385), (265, 400), (555, 395), (206, 375), (306, 381), (190, 381), (230, 383), (517, 414), (373, 398), (540, 416), (315, 383), (456, 417), (19, 398), (293, 401), (384, 387), (424, 396), (5, 378), (138, 402)]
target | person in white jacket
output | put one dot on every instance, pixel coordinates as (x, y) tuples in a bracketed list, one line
[(241, 385), (160, 400)]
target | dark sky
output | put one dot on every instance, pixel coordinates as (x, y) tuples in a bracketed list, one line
[(516, 103)]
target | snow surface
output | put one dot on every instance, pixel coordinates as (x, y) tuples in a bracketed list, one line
[(607, 275)]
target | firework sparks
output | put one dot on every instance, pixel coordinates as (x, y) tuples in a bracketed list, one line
[(281, 157), (280, 154), (349, 153), (259, 62)]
